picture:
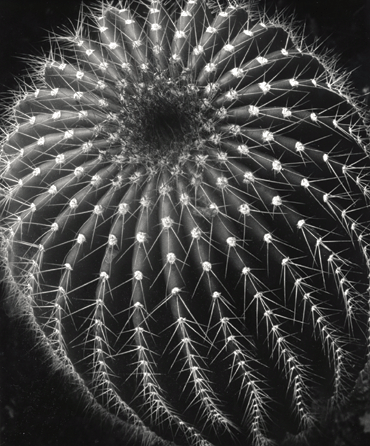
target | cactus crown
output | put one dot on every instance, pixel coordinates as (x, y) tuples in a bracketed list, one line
[(185, 222)]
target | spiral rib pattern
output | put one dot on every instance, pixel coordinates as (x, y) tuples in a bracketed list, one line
[(186, 210)]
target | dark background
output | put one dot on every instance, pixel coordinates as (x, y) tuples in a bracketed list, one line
[(35, 409)]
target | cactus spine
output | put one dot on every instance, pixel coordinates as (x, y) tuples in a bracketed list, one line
[(185, 220)]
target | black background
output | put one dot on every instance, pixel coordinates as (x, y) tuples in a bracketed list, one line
[(35, 409)]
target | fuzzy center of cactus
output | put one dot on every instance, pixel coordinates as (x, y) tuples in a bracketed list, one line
[(161, 120)]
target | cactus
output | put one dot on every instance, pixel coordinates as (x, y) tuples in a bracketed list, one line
[(185, 221)]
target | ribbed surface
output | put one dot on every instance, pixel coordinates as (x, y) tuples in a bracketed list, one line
[(186, 200)]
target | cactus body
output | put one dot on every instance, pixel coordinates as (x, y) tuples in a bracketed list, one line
[(185, 221)]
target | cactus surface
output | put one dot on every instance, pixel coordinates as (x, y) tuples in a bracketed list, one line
[(185, 220)]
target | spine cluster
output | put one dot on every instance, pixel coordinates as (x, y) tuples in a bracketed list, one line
[(185, 198)]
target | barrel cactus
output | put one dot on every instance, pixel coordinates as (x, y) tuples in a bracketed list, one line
[(185, 220)]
